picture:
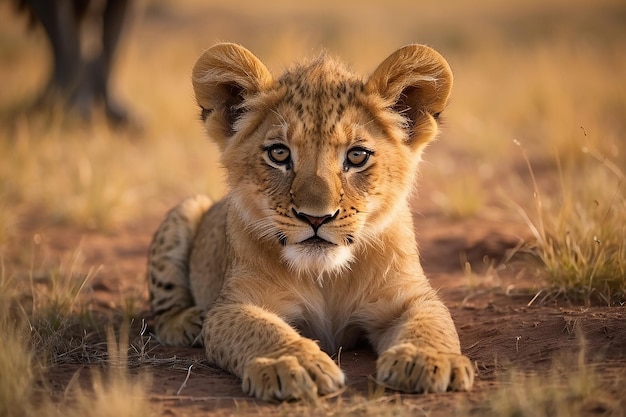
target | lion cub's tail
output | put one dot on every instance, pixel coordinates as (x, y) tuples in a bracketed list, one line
[(177, 320)]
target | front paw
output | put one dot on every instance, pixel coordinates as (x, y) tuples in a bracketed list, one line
[(407, 368), (287, 378)]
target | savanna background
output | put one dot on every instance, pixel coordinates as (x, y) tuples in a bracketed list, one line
[(521, 212)]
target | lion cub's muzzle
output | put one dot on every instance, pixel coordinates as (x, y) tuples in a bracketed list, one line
[(315, 221), (319, 238)]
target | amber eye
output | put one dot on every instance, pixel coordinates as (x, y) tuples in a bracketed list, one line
[(357, 157), (279, 154)]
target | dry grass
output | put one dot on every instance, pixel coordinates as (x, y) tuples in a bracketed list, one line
[(17, 372), (41, 331), (49, 303), (571, 387), (462, 198), (580, 232), (96, 180), (117, 393), (18, 369), (561, 393), (540, 95)]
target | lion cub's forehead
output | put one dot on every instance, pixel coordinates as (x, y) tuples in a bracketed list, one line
[(318, 96)]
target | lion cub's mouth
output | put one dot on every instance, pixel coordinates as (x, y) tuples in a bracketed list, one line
[(316, 241)]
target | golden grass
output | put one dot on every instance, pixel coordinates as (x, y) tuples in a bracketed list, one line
[(8, 222), (563, 392), (117, 393), (461, 198), (580, 232), (570, 387), (540, 95), (17, 366), (34, 341), (96, 180), (17, 372)]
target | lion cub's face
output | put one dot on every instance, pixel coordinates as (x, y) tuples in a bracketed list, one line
[(319, 161), (325, 178)]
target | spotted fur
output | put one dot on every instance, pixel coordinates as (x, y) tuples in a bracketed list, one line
[(313, 247)]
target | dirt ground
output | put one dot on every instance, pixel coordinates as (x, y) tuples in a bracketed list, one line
[(501, 324)]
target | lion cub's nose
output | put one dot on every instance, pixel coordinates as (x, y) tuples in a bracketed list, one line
[(315, 221)]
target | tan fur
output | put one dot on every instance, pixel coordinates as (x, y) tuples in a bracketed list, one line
[(313, 248)]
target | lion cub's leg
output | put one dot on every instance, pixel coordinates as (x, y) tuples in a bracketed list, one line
[(177, 319), (421, 353), (273, 360)]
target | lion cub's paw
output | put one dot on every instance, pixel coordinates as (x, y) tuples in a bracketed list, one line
[(180, 329), (286, 379), (407, 368)]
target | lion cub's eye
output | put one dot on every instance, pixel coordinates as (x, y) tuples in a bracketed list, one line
[(279, 154), (357, 157)]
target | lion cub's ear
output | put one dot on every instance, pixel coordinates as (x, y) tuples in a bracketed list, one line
[(415, 81), (223, 77)]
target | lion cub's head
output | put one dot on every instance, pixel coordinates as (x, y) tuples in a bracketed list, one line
[(319, 161)]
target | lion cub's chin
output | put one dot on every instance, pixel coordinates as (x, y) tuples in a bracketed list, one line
[(317, 259)]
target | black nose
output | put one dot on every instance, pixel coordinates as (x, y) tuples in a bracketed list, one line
[(315, 221)]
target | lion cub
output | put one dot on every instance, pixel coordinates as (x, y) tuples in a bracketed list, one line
[(313, 247)]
